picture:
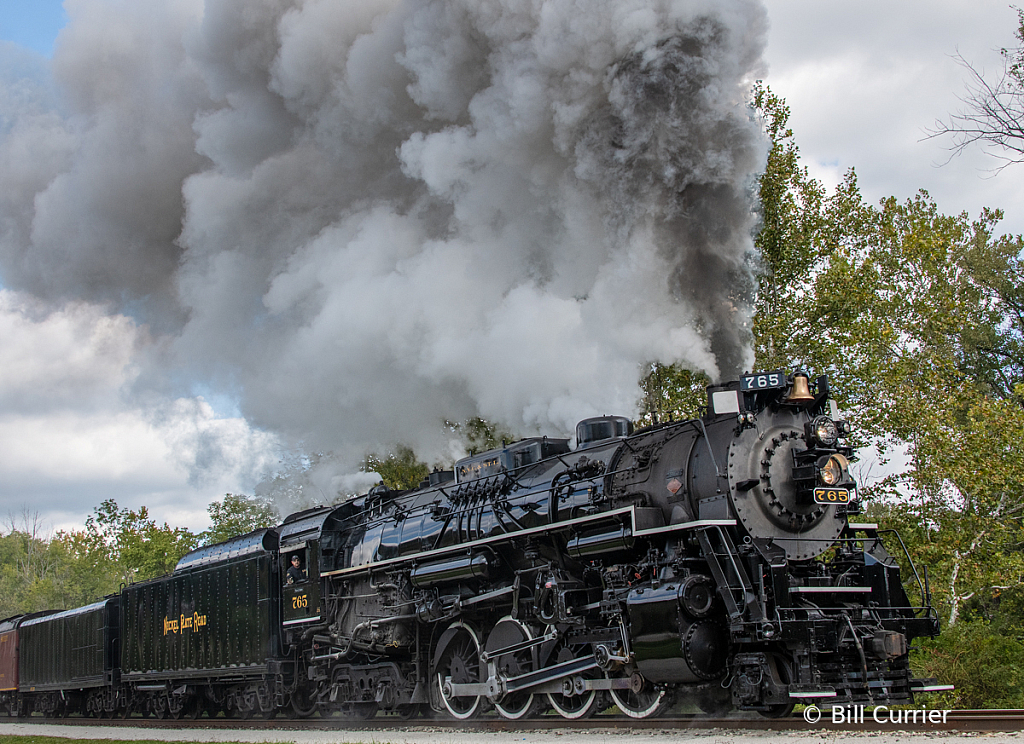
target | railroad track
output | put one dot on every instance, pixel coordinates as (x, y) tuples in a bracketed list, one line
[(956, 720)]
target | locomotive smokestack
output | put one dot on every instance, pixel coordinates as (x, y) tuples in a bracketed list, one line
[(366, 218)]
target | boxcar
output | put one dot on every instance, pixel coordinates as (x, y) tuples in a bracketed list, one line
[(69, 661), (207, 636)]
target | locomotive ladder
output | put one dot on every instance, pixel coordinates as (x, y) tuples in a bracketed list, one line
[(733, 585)]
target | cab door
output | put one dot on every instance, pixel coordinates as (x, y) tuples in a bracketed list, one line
[(301, 599)]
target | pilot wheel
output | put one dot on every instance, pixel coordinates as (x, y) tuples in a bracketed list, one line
[(642, 699)]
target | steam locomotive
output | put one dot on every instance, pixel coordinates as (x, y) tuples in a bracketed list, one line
[(715, 561)]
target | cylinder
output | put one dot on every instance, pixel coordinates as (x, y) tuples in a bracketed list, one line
[(670, 647), (697, 595), (465, 568)]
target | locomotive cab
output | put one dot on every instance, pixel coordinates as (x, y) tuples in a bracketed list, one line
[(300, 593), (300, 596)]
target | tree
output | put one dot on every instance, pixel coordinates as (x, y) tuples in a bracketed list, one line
[(791, 209), (400, 470), (993, 112), (918, 319), (479, 435), (238, 514), (122, 545), (670, 392), (34, 571), (901, 310), (994, 354)]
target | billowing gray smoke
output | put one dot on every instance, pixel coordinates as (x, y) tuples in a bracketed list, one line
[(364, 217)]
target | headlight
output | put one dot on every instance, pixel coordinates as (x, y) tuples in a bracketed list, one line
[(825, 431), (834, 471)]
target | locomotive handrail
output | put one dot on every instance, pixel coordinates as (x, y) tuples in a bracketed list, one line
[(697, 524), (461, 547), (879, 533), (458, 512), (913, 567), (567, 524), (704, 431)]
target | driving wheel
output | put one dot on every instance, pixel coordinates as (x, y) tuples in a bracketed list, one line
[(460, 664), (509, 632)]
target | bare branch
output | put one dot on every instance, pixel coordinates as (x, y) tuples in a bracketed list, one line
[(992, 115)]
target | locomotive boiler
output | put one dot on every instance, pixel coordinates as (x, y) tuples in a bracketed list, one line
[(719, 561)]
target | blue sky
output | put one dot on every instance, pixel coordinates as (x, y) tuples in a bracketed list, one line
[(32, 23)]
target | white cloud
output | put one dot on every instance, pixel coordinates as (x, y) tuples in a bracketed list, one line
[(866, 81), (73, 435), (76, 357)]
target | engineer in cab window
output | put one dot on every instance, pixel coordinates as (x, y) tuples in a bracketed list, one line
[(295, 572)]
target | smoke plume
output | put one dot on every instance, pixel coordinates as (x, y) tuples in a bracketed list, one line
[(364, 218)]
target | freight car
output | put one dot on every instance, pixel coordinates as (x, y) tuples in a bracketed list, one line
[(68, 661), (718, 561)]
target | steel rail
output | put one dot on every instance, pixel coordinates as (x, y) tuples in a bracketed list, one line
[(957, 720)]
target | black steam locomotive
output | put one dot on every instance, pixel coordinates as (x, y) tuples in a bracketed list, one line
[(716, 561)]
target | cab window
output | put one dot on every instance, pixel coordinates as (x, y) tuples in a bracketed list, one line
[(296, 570)]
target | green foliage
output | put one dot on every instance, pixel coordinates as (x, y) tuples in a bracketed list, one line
[(130, 545), (400, 470), (238, 514), (792, 218), (35, 573), (669, 392), (79, 566), (994, 349), (1015, 57), (986, 668), (480, 435)]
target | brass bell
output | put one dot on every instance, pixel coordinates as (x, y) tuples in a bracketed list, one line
[(801, 391)]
